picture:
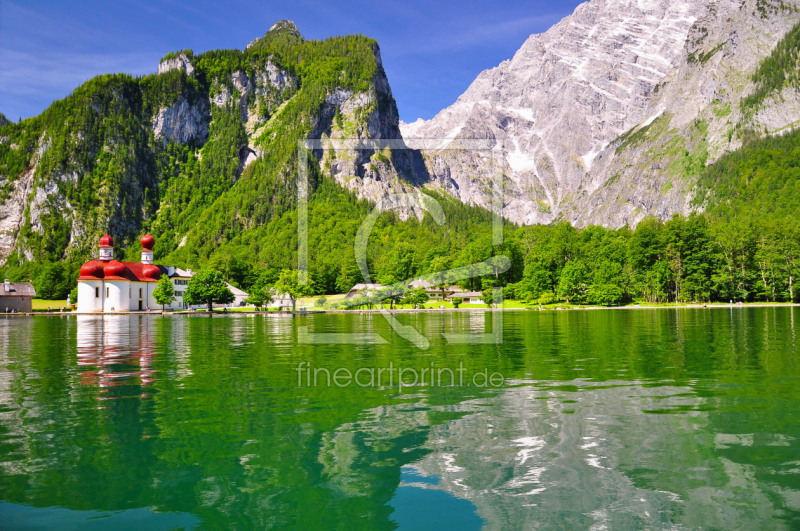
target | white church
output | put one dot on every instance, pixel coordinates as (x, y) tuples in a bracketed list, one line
[(107, 285)]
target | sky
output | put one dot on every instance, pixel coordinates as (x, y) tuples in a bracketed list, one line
[(431, 50)]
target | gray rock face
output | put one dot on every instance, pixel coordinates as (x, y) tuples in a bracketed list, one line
[(781, 112), (39, 197), (558, 108), (12, 212), (390, 177), (181, 122), (694, 119), (268, 84), (181, 61), (273, 77)]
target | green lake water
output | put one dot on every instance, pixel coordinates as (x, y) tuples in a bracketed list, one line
[(618, 419)]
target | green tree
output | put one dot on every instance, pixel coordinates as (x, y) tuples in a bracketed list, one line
[(254, 298), (399, 264), (472, 254), (457, 301), (417, 296), (440, 273), (208, 287), (165, 292), (289, 283), (607, 287), (536, 279), (605, 294), (261, 292), (349, 275), (53, 281), (390, 295), (487, 296), (572, 282)]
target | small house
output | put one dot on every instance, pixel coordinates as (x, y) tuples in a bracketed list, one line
[(279, 301), (366, 290), (434, 292), (238, 295), (17, 297), (469, 297)]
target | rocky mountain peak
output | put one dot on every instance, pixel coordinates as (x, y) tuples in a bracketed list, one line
[(284, 26), (177, 60), (281, 29), (558, 107)]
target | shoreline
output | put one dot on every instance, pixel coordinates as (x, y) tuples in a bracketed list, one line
[(691, 306)]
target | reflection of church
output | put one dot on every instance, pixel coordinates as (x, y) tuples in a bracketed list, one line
[(120, 349), (107, 285)]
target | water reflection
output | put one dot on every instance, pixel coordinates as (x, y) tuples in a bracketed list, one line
[(120, 348), (663, 419), (613, 455)]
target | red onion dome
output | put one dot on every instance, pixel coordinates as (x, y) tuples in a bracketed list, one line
[(114, 269), (92, 269), (106, 241), (151, 271), (148, 242)]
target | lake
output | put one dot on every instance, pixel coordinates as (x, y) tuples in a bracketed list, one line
[(609, 419)]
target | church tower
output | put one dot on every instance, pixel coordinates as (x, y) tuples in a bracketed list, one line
[(106, 248), (148, 242)]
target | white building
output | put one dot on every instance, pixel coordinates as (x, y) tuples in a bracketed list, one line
[(107, 285), (366, 290), (469, 297), (280, 301)]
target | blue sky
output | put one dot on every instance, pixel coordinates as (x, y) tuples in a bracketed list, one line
[(431, 50)]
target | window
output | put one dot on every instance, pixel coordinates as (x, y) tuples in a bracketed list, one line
[(140, 293), (129, 292), (96, 293), (107, 291)]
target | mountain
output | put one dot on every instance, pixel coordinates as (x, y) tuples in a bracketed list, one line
[(201, 152), (616, 113), (613, 113), (4, 120)]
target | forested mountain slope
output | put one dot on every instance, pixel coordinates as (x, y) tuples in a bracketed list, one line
[(204, 155), (211, 137)]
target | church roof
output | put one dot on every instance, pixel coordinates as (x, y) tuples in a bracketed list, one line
[(114, 270)]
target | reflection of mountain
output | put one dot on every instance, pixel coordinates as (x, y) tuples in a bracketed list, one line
[(610, 456), (378, 440)]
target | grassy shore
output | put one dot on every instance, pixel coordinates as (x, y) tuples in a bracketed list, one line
[(42, 305), (309, 303)]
